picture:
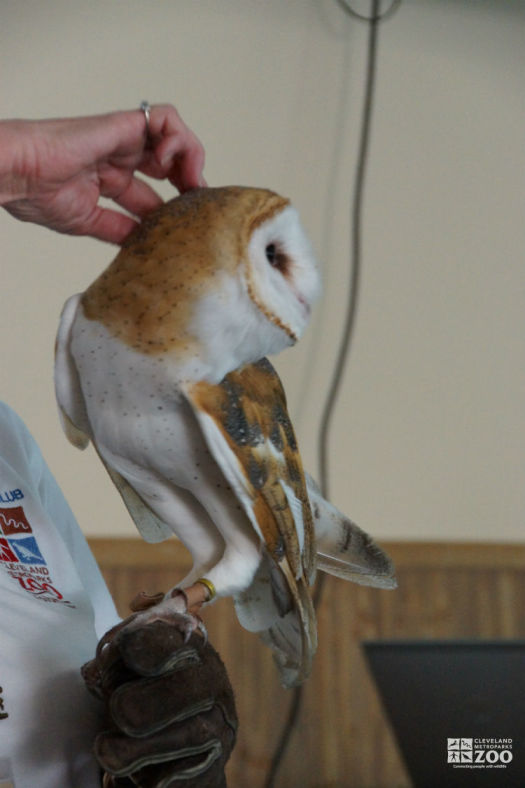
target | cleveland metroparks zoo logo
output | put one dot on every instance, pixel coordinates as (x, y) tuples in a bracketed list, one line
[(484, 753)]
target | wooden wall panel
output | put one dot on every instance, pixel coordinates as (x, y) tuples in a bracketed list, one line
[(343, 739)]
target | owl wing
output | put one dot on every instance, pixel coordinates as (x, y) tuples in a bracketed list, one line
[(68, 391), (75, 422), (247, 428)]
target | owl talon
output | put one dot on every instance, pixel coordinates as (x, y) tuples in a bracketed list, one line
[(173, 609), (202, 628), (180, 595), (193, 598)]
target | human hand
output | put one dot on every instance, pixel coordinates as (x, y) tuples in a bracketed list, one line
[(169, 703), (53, 172)]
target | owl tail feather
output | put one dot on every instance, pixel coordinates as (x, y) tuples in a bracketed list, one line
[(279, 608), (344, 549)]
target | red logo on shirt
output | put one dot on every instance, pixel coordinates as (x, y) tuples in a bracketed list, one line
[(6, 554), (21, 558), (13, 521), (40, 588)]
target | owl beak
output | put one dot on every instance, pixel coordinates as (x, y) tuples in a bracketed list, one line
[(304, 304)]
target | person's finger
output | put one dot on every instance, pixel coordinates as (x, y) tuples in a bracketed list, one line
[(158, 647), (122, 755), (186, 170), (190, 767), (178, 151), (107, 225), (183, 160), (138, 198), (142, 707), (165, 121)]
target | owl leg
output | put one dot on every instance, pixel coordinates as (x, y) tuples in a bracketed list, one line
[(236, 566), (228, 575), (189, 521), (223, 543), (224, 546), (236, 569), (206, 546)]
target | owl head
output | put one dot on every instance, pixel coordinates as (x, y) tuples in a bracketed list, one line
[(227, 274)]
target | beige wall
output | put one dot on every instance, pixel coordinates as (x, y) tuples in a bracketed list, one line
[(429, 435)]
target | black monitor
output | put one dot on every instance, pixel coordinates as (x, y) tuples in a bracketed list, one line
[(457, 709)]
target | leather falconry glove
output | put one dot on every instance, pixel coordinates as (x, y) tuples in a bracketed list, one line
[(170, 710)]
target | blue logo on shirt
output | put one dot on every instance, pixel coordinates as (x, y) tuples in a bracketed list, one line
[(27, 550)]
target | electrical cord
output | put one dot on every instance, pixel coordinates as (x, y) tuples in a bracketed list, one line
[(356, 244), (375, 16), (373, 22)]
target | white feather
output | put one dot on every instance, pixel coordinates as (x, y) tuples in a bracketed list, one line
[(68, 390), (229, 464), (288, 296), (230, 331)]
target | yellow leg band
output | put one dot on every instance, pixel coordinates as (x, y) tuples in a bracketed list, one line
[(209, 585)]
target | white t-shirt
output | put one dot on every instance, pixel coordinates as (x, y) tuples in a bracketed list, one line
[(54, 608)]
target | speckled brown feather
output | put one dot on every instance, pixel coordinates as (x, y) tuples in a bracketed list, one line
[(249, 408), (147, 294)]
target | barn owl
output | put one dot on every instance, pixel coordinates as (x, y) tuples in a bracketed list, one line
[(161, 364)]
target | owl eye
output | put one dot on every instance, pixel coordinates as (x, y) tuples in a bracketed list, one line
[(271, 254), (276, 258)]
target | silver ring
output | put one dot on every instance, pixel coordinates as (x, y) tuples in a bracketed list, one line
[(145, 107)]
